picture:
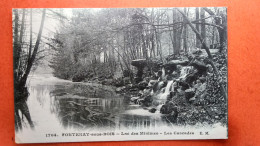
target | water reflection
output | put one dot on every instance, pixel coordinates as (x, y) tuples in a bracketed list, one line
[(81, 106)]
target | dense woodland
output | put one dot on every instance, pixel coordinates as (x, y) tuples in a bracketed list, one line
[(112, 38), (146, 53)]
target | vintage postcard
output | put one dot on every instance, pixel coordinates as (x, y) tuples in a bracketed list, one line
[(118, 74)]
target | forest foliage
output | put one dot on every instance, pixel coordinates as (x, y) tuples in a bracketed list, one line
[(100, 44)]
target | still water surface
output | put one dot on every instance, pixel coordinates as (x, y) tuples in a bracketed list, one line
[(60, 104)]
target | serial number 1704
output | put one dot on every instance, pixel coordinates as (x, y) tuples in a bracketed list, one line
[(51, 135)]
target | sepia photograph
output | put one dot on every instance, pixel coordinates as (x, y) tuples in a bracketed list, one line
[(120, 74)]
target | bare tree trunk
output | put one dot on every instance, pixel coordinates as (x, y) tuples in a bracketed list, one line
[(179, 39), (220, 21), (152, 31), (213, 37), (32, 58), (153, 44), (203, 27), (185, 33), (19, 49), (174, 15), (197, 28), (144, 47), (18, 40), (15, 45), (30, 47)]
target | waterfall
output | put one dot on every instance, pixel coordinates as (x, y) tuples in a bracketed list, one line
[(174, 84), (185, 71), (167, 90), (168, 87), (163, 72)]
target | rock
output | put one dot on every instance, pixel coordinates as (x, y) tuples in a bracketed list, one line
[(159, 74), (174, 74), (170, 67), (192, 99), (145, 108), (118, 82), (162, 90), (139, 63), (156, 103), (147, 79), (142, 85), (168, 108), (192, 77), (152, 110), (140, 93), (134, 99), (152, 82), (138, 79), (189, 93), (146, 92), (202, 79), (129, 86), (169, 77), (201, 67), (140, 101), (148, 100), (156, 65), (189, 90), (159, 85), (183, 85), (163, 109), (178, 62), (197, 52), (133, 89), (120, 89), (171, 57), (173, 116)]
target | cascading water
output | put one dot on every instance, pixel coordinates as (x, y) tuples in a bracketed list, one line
[(185, 71), (167, 91), (168, 87), (163, 73), (162, 97)]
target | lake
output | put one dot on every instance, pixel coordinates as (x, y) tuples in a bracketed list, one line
[(61, 104)]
